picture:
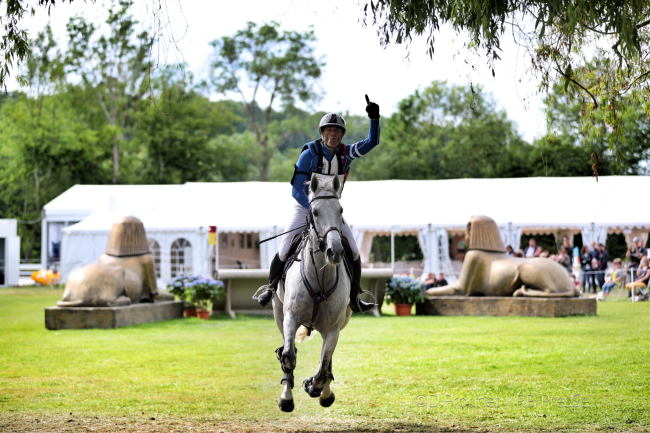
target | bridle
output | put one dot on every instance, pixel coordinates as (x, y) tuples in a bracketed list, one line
[(323, 294), (312, 224)]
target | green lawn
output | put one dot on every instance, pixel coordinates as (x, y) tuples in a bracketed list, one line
[(225, 370)]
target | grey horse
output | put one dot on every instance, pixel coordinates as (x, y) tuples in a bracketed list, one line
[(321, 269)]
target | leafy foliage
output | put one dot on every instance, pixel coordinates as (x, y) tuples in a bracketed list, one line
[(556, 35), (112, 69), (450, 132), (404, 290), (263, 58), (445, 132), (196, 290)]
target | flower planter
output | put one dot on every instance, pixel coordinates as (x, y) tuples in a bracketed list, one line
[(190, 312), (203, 314), (403, 309)]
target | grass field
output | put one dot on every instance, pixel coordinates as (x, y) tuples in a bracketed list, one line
[(222, 375)]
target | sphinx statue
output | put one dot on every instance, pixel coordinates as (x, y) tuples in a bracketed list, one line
[(488, 271), (125, 275)]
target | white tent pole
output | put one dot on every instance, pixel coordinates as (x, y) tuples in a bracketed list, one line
[(392, 250), (216, 249), (45, 243)]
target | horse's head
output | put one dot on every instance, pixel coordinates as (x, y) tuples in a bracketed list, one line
[(326, 216)]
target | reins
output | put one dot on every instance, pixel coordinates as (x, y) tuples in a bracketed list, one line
[(321, 296)]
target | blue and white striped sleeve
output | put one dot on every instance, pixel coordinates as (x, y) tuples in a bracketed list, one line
[(357, 150), (299, 190)]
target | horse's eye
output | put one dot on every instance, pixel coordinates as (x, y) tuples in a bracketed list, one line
[(315, 213)]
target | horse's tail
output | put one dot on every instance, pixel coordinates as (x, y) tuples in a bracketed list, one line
[(301, 334)]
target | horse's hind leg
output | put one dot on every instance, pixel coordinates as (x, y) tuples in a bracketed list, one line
[(315, 385), (326, 398), (287, 357)]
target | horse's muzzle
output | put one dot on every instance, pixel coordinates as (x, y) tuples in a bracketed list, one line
[(334, 252)]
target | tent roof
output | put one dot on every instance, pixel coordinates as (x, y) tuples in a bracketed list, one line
[(81, 200), (539, 203)]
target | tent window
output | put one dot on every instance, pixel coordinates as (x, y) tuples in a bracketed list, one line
[(224, 241), (154, 247), (249, 241), (181, 257), (241, 241)]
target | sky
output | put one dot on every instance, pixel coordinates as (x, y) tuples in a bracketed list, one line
[(356, 63)]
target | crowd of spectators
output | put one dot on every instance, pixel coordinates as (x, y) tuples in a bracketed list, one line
[(593, 261), (431, 280)]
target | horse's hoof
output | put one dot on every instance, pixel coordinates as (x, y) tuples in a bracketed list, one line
[(286, 405), (326, 402), (309, 388)]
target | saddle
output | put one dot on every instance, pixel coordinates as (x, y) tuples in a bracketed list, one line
[(298, 243)]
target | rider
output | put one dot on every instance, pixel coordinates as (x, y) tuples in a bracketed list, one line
[(327, 155)]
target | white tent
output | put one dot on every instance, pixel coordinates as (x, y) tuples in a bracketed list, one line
[(428, 208)]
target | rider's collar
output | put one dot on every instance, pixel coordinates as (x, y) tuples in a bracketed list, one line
[(333, 150)]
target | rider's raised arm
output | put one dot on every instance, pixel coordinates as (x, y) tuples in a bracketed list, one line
[(299, 191), (362, 147)]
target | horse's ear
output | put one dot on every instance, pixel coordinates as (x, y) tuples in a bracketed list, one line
[(336, 183), (313, 185)]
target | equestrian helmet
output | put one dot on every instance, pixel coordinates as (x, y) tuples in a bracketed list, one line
[(332, 119)]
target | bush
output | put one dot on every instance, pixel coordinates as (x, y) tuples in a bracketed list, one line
[(197, 291), (404, 290)]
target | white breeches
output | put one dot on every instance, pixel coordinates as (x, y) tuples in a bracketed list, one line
[(298, 218)]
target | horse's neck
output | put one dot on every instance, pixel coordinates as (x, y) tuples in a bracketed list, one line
[(326, 274)]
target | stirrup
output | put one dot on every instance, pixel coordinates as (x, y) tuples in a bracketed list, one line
[(265, 297), (360, 306)]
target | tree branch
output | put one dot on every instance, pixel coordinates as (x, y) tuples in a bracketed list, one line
[(577, 84)]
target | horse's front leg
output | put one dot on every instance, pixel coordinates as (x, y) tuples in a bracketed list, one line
[(287, 357), (314, 385), (326, 398)]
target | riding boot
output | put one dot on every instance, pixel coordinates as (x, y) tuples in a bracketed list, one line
[(277, 266), (356, 304)]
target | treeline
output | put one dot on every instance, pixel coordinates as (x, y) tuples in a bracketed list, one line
[(97, 113)]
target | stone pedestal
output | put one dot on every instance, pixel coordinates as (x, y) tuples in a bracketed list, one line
[(505, 306), (111, 317)]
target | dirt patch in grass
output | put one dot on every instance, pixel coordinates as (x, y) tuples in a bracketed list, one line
[(100, 424)]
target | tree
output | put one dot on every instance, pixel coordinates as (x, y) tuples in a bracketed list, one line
[(175, 128), (44, 149), (263, 58), (556, 35), (15, 46), (112, 70), (445, 132)]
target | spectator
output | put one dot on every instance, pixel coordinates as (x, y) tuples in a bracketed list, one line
[(612, 280), (641, 251), (602, 265), (510, 251), (634, 257), (587, 275), (564, 259), (430, 281), (519, 254), (642, 275), (573, 280), (441, 280), (544, 254), (532, 250), (567, 246)]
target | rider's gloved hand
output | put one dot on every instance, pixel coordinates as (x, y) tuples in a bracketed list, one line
[(372, 109)]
